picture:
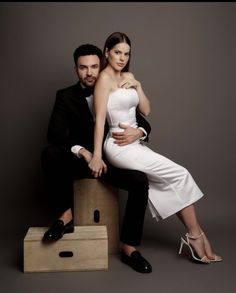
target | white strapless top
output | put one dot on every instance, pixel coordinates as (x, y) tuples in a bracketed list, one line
[(121, 107)]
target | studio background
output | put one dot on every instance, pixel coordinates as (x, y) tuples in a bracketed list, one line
[(184, 56)]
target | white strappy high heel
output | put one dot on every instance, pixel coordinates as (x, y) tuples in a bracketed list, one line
[(186, 242), (217, 258)]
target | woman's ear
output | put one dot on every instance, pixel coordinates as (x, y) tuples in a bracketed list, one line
[(106, 53)]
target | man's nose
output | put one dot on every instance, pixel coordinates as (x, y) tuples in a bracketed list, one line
[(89, 71)]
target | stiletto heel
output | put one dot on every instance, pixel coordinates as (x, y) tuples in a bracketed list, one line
[(181, 246), (191, 249)]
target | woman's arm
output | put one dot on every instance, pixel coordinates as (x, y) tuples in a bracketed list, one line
[(144, 104), (130, 81), (101, 92)]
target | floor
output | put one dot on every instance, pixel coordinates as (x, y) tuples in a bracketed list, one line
[(171, 273)]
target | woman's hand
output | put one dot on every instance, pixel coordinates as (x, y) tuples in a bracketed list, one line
[(129, 82), (97, 166)]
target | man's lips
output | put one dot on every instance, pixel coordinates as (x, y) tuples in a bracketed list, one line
[(89, 79)]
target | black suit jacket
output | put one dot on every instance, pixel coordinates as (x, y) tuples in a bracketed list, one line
[(71, 122)]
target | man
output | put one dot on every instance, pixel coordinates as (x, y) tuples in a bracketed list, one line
[(70, 136)]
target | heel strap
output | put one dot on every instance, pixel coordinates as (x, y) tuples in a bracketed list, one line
[(194, 237)]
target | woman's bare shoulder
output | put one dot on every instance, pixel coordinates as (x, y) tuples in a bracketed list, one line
[(104, 82), (104, 76), (127, 75)]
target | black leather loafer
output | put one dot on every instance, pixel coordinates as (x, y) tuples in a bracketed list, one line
[(136, 261), (57, 230)]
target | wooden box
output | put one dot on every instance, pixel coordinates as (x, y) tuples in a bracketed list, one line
[(97, 203), (84, 250)]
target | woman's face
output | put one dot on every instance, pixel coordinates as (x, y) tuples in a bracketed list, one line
[(118, 56)]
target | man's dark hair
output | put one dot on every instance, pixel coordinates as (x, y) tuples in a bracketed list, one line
[(87, 49)]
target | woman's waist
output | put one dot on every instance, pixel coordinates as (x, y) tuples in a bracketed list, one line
[(117, 127)]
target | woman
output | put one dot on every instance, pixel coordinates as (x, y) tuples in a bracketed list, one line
[(172, 190)]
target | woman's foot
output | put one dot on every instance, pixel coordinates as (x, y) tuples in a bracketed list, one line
[(209, 252), (198, 246)]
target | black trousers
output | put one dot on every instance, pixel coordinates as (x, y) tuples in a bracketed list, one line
[(61, 168)]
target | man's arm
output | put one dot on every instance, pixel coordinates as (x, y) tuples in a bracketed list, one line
[(131, 134), (57, 128), (142, 122), (82, 153), (59, 125)]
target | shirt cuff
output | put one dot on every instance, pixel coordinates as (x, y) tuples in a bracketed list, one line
[(144, 133), (75, 150)]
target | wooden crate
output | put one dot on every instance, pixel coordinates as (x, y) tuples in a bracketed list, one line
[(84, 250), (97, 203)]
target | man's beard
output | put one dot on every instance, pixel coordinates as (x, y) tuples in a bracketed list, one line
[(89, 83)]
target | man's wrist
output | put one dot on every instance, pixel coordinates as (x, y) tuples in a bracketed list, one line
[(77, 150), (82, 152), (144, 133)]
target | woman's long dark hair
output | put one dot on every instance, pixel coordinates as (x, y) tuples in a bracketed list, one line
[(114, 39)]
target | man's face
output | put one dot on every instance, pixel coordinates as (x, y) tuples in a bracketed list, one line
[(87, 69)]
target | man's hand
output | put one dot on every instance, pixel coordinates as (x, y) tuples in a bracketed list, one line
[(97, 166), (127, 136)]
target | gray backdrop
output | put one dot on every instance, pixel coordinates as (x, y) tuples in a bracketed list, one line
[(184, 55)]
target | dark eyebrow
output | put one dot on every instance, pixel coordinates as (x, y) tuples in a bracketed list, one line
[(82, 65), (121, 52)]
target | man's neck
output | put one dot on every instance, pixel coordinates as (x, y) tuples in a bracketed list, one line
[(84, 86)]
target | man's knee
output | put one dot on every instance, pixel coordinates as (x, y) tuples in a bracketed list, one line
[(139, 180), (50, 152), (53, 154)]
